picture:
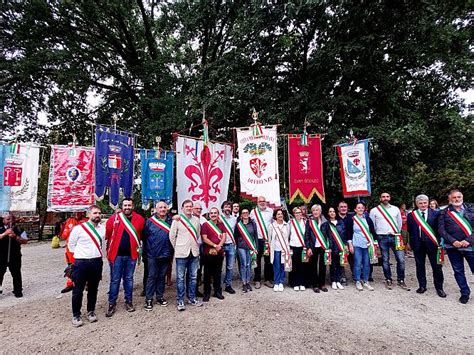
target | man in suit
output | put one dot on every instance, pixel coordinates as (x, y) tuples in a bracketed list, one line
[(425, 242), (455, 225)]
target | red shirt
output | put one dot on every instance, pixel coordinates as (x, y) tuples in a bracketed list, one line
[(403, 214), (212, 236)]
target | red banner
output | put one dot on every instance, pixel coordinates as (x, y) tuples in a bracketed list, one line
[(305, 167), (71, 179)]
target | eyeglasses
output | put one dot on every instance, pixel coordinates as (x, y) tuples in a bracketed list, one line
[(197, 208)]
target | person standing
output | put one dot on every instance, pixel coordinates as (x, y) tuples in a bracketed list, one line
[(404, 229), (318, 248), (280, 254), (346, 217), (184, 236), (455, 225), (235, 210), (229, 223), (388, 223), (85, 243), (262, 215), (123, 232), (422, 225), (159, 253), (11, 239), (246, 238), (197, 212), (299, 252)]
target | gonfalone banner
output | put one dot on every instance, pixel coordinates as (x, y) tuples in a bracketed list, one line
[(305, 167), (258, 163), (113, 164), (202, 172), (4, 189), (355, 168), (157, 176), (71, 178)]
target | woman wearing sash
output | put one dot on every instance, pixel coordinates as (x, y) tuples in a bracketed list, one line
[(213, 257), (359, 231), (279, 248), (335, 232), (246, 238), (298, 248)]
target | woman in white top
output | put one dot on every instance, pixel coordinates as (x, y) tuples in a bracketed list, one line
[(298, 248), (280, 249)]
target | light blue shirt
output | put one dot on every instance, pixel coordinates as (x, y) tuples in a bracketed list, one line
[(358, 239)]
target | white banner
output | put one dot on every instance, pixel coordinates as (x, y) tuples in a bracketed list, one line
[(202, 172), (21, 175), (355, 168), (258, 162)]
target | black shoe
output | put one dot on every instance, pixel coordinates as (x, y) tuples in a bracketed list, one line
[(149, 305), (129, 307), (441, 293), (244, 288), (219, 295), (111, 310), (421, 290), (206, 297), (229, 289), (162, 302), (199, 294), (18, 294), (67, 289), (317, 290), (249, 288), (464, 299), (343, 282), (324, 289)]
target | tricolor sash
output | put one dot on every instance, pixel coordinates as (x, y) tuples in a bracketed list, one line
[(247, 238), (388, 217), (426, 228), (261, 223), (160, 223), (371, 243), (340, 244), (218, 233), (462, 222), (228, 229), (93, 234), (299, 232), (189, 226), (284, 245), (132, 232), (322, 240)]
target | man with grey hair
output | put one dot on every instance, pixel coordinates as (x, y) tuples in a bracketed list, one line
[(425, 241)]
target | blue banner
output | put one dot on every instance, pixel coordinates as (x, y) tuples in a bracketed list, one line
[(157, 176), (113, 164), (4, 190)]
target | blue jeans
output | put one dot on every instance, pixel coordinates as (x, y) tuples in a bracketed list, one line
[(361, 261), (191, 265), (229, 251), (278, 268), (157, 268), (122, 268), (387, 242), (456, 257), (245, 265)]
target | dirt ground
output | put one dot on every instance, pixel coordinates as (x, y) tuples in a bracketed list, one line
[(258, 322)]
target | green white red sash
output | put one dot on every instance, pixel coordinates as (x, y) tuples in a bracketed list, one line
[(93, 234), (228, 229), (299, 232), (261, 224), (426, 228), (189, 226), (371, 243), (284, 245), (340, 244), (247, 238), (318, 234), (388, 217), (160, 223), (218, 233), (130, 228), (462, 222)]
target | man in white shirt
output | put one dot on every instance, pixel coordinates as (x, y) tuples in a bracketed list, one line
[(388, 224), (86, 242), (229, 245)]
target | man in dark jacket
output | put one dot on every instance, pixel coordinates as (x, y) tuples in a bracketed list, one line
[(455, 225)]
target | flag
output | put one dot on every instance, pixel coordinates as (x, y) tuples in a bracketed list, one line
[(203, 171), (157, 176), (71, 178), (258, 164), (305, 167), (114, 164), (355, 168), (4, 189)]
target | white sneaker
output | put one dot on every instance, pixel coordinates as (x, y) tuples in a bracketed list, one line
[(296, 288), (368, 287), (359, 286), (302, 288), (334, 286), (275, 288), (280, 287), (339, 286), (77, 321)]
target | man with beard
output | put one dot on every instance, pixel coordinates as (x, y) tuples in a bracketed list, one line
[(123, 233), (229, 223)]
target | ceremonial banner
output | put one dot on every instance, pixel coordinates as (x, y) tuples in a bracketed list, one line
[(113, 164), (4, 190), (20, 176), (157, 176), (202, 172), (305, 167), (259, 164), (355, 168), (71, 178)]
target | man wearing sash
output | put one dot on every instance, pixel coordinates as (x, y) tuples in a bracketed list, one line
[(262, 215), (85, 243), (345, 216), (236, 210), (422, 225), (455, 226), (388, 223), (123, 233), (184, 236), (229, 223), (159, 253)]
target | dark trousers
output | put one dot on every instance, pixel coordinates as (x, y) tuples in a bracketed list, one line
[(267, 266), (420, 259), (456, 257), (86, 271), (14, 265), (336, 268), (297, 274), (212, 270), (145, 272), (157, 268), (318, 267)]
